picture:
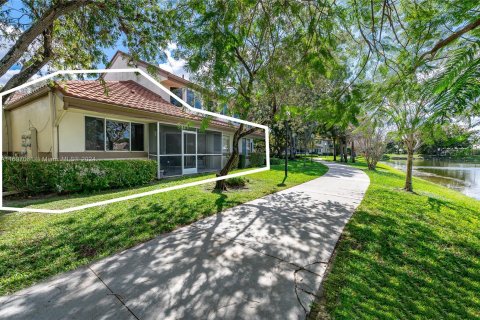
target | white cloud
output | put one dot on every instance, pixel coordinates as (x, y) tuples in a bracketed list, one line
[(7, 76), (177, 67)]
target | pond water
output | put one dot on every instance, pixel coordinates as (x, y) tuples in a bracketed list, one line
[(460, 176)]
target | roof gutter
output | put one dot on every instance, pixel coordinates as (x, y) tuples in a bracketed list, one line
[(30, 97)]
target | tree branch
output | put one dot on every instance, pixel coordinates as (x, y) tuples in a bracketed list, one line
[(445, 42), (40, 59), (45, 21), (247, 132)]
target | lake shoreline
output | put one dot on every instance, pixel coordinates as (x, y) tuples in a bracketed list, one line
[(473, 159), (462, 176)]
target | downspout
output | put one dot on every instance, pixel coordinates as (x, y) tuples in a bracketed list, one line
[(7, 132), (53, 116)]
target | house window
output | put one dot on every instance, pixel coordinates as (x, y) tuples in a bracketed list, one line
[(110, 135), (226, 145), (198, 102), (94, 134), (190, 98), (249, 145), (178, 93), (138, 136), (118, 135)]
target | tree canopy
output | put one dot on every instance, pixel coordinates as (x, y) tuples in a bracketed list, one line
[(74, 34)]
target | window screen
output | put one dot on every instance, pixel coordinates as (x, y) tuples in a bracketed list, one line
[(94, 134)]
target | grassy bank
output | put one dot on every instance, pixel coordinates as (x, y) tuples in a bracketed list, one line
[(394, 156), (471, 158), (406, 256), (36, 246)]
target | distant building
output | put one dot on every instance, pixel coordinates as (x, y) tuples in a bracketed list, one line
[(322, 146)]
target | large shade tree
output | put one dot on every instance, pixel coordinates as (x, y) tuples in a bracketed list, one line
[(62, 34), (412, 44), (247, 51)]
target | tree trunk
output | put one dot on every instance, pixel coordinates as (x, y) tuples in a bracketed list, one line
[(221, 185), (345, 153), (340, 149), (352, 155), (408, 179), (286, 149), (334, 149)]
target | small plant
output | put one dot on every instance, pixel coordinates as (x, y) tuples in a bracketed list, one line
[(242, 161), (236, 182)]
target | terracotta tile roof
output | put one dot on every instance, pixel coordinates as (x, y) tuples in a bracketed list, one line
[(18, 95), (127, 94)]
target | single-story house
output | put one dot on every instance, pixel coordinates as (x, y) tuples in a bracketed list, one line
[(122, 116)]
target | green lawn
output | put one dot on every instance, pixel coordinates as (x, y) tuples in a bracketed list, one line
[(35, 246), (406, 256)]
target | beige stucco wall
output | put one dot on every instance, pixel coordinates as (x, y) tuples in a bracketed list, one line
[(122, 63), (36, 114), (71, 132)]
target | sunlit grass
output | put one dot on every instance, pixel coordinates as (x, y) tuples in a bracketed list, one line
[(407, 256), (34, 246)]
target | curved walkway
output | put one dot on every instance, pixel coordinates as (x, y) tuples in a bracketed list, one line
[(261, 260)]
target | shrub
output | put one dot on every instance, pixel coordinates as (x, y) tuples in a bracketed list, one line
[(35, 176), (371, 141), (236, 182), (275, 161), (242, 161), (257, 159)]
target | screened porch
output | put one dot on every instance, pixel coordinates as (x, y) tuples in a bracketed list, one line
[(186, 151)]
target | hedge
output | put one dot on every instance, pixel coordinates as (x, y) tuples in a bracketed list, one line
[(35, 176), (257, 159), (242, 161)]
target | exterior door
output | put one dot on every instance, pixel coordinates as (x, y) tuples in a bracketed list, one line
[(189, 152)]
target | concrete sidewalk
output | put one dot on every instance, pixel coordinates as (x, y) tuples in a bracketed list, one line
[(261, 260)]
